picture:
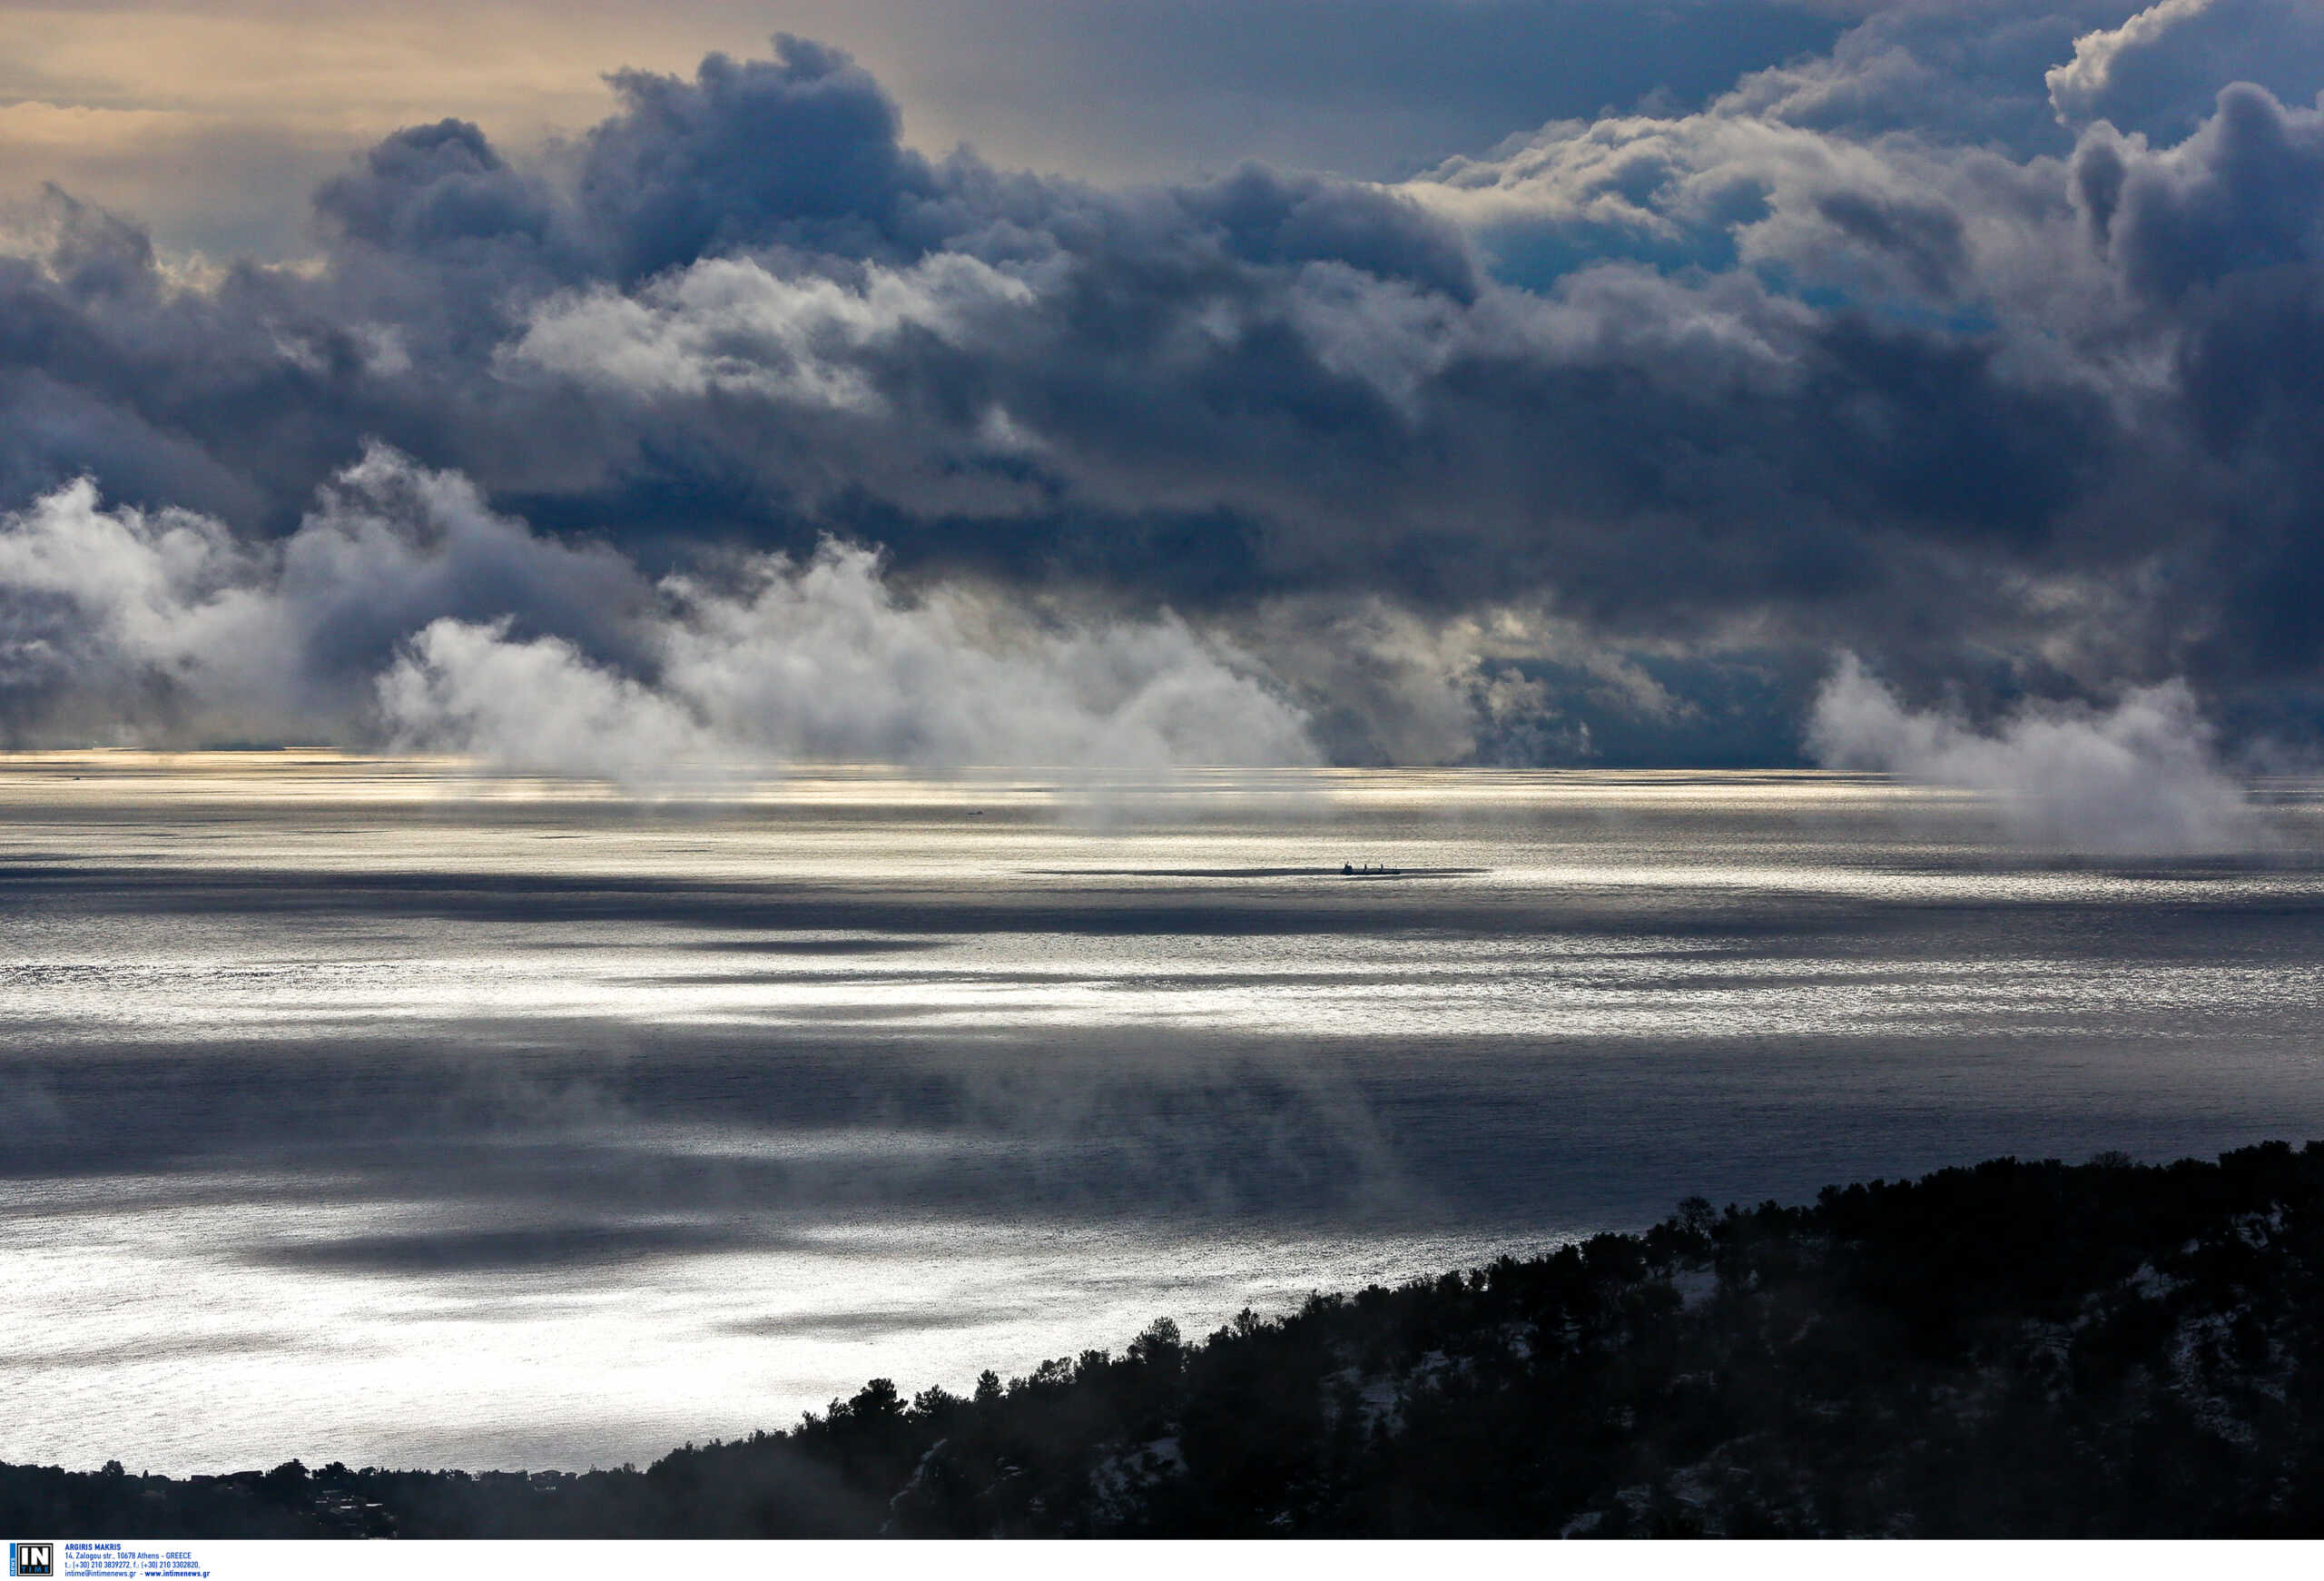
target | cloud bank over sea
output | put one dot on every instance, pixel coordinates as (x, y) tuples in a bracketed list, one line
[(2140, 777), (1974, 339), (404, 610)]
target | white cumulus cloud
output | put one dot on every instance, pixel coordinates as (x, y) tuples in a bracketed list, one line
[(2141, 777), (403, 613)]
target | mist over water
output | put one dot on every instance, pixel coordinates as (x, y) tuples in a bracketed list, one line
[(370, 1110)]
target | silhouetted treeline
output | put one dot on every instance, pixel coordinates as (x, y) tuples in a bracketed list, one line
[(2022, 1349)]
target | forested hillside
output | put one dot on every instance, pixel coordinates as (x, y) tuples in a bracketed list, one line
[(2013, 1348)]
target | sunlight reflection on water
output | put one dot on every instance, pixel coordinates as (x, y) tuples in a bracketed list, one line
[(375, 1110)]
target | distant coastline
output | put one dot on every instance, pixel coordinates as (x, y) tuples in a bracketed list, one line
[(2007, 1349)]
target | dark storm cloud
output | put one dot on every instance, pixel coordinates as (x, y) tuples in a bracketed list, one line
[(428, 189), (804, 149), (2159, 71), (2244, 195), (1904, 348)]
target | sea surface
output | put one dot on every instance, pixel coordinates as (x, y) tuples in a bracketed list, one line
[(384, 1112)]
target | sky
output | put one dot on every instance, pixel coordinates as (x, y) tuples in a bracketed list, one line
[(1927, 385)]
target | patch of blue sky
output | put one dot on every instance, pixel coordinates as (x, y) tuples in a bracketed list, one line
[(1737, 709), (1537, 258), (1532, 257), (1965, 318)]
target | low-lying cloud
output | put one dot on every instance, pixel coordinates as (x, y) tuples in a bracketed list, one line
[(405, 613), (2141, 777), (822, 661)]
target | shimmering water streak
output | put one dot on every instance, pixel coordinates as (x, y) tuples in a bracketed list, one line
[(383, 1111), (1463, 960)]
